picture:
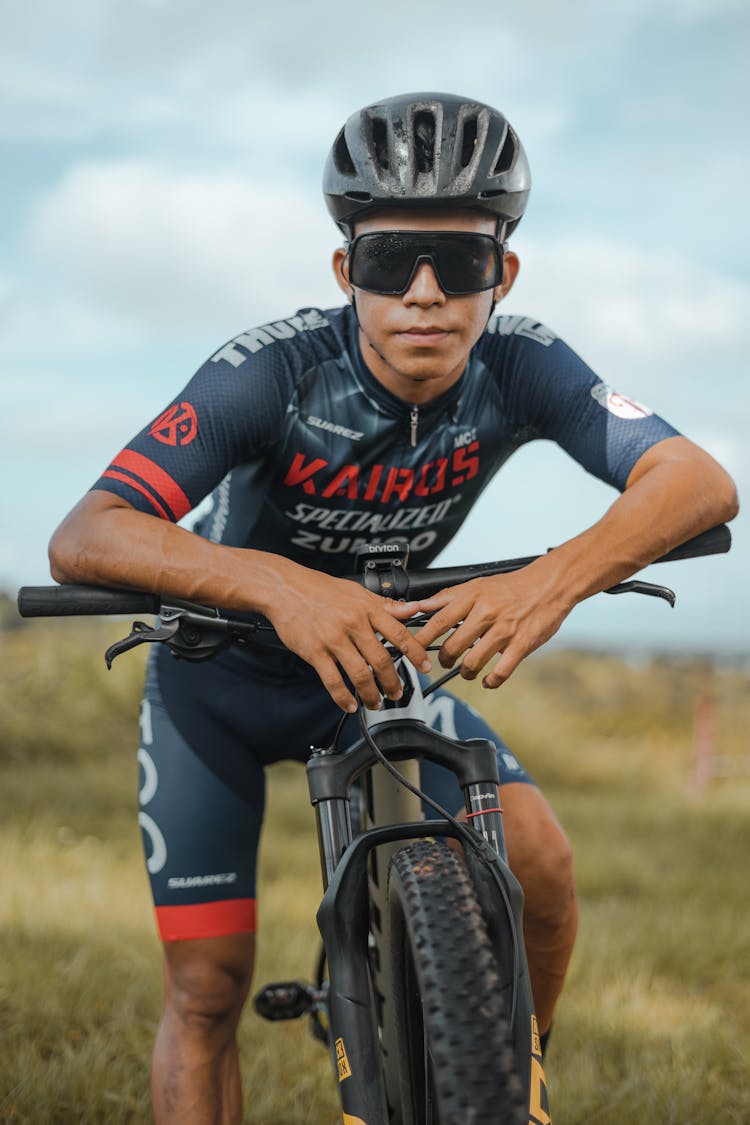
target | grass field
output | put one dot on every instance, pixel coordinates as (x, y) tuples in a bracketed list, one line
[(654, 1026)]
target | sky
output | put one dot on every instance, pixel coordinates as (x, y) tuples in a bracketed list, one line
[(160, 190)]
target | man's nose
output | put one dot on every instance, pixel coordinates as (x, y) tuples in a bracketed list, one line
[(424, 287)]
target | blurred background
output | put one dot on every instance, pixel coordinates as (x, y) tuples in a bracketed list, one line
[(160, 193), (160, 189)]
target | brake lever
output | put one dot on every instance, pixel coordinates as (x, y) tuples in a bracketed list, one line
[(636, 586), (187, 633), (140, 634)]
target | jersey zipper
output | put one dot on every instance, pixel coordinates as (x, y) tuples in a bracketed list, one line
[(413, 425)]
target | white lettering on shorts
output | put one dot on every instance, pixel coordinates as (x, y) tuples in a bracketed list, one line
[(158, 856), (441, 714), (180, 882)]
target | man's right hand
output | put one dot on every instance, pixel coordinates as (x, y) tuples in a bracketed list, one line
[(337, 627)]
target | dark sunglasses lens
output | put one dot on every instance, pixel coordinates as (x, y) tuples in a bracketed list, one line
[(468, 264), (382, 263), (385, 263)]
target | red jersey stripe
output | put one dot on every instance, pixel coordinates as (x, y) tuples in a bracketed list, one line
[(139, 488), (165, 485), (206, 919)]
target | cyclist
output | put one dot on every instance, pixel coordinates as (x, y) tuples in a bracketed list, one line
[(314, 433)]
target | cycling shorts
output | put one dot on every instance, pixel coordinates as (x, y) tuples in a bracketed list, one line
[(207, 733)]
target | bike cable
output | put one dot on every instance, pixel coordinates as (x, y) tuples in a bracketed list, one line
[(484, 852)]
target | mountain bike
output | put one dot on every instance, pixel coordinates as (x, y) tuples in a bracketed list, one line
[(421, 992)]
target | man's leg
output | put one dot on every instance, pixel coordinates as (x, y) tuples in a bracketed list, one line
[(195, 1078), (541, 858), (200, 834)]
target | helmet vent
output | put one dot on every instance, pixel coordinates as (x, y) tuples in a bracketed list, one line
[(424, 141), (507, 154), (468, 140), (380, 142), (342, 157)]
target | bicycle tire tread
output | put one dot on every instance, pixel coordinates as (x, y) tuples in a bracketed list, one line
[(434, 906)]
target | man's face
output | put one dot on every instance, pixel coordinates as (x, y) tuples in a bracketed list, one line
[(417, 343)]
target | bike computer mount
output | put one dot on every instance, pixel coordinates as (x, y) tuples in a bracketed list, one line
[(383, 567)]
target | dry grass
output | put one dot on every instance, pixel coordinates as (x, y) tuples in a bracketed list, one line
[(655, 1023)]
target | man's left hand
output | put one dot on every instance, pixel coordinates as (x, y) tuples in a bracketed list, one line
[(509, 614)]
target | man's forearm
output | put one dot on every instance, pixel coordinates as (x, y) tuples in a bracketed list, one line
[(669, 499), (106, 544)]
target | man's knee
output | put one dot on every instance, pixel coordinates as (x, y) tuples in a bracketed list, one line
[(207, 982)]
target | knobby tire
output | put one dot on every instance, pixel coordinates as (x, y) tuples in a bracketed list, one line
[(455, 1058)]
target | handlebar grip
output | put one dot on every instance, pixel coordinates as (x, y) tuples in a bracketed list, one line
[(716, 541), (73, 601)]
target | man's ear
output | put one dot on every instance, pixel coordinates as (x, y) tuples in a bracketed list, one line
[(341, 270), (511, 266)]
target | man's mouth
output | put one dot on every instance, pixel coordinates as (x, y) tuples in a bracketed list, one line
[(423, 336)]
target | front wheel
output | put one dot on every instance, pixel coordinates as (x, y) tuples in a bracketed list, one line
[(453, 1043)]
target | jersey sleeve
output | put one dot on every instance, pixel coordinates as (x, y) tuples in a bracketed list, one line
[(553, 394), (231, 410)]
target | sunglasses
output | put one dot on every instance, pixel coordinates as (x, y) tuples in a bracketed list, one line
[(385, 261)]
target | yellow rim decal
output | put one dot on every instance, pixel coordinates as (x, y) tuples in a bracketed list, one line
[(538, 1101)]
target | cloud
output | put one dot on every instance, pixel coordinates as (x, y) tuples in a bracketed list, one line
[(162, 250), (632, 308), (233, 67), (165, 249)]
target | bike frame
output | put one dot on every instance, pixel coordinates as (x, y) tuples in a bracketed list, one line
[(355, 885)]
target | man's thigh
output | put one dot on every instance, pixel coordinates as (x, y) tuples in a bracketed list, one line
[(200, 835)]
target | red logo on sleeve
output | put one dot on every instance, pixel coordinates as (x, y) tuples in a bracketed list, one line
[(178, 425)]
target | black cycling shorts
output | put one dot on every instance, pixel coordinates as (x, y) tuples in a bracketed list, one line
[(207, 732)]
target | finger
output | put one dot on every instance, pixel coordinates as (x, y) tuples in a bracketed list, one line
[(333, 682), (400, 637), (443, 621), (437, 602), (504, 667), (359, 672), (460, 641), (384, 671), (400, 610), (485, 648)]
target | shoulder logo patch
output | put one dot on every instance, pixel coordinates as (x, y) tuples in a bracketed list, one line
[(619, 405), (178, 425)]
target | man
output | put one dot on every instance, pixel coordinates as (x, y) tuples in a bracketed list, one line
[(319, 432)]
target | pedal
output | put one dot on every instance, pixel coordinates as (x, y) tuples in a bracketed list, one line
[(285, 1000)]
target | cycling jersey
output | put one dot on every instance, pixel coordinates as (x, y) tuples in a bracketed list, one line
[(309, 456)]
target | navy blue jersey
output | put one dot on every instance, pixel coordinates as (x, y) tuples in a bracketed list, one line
[(308, 455)]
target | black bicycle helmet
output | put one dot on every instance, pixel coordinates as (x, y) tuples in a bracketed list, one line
[(426, 150)]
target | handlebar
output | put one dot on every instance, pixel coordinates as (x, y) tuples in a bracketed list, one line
[(73, 600), (422, 584)]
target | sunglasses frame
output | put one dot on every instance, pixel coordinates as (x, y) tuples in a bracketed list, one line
[(498, 247)]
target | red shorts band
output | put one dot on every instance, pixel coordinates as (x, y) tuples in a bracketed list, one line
[(206, 919)]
